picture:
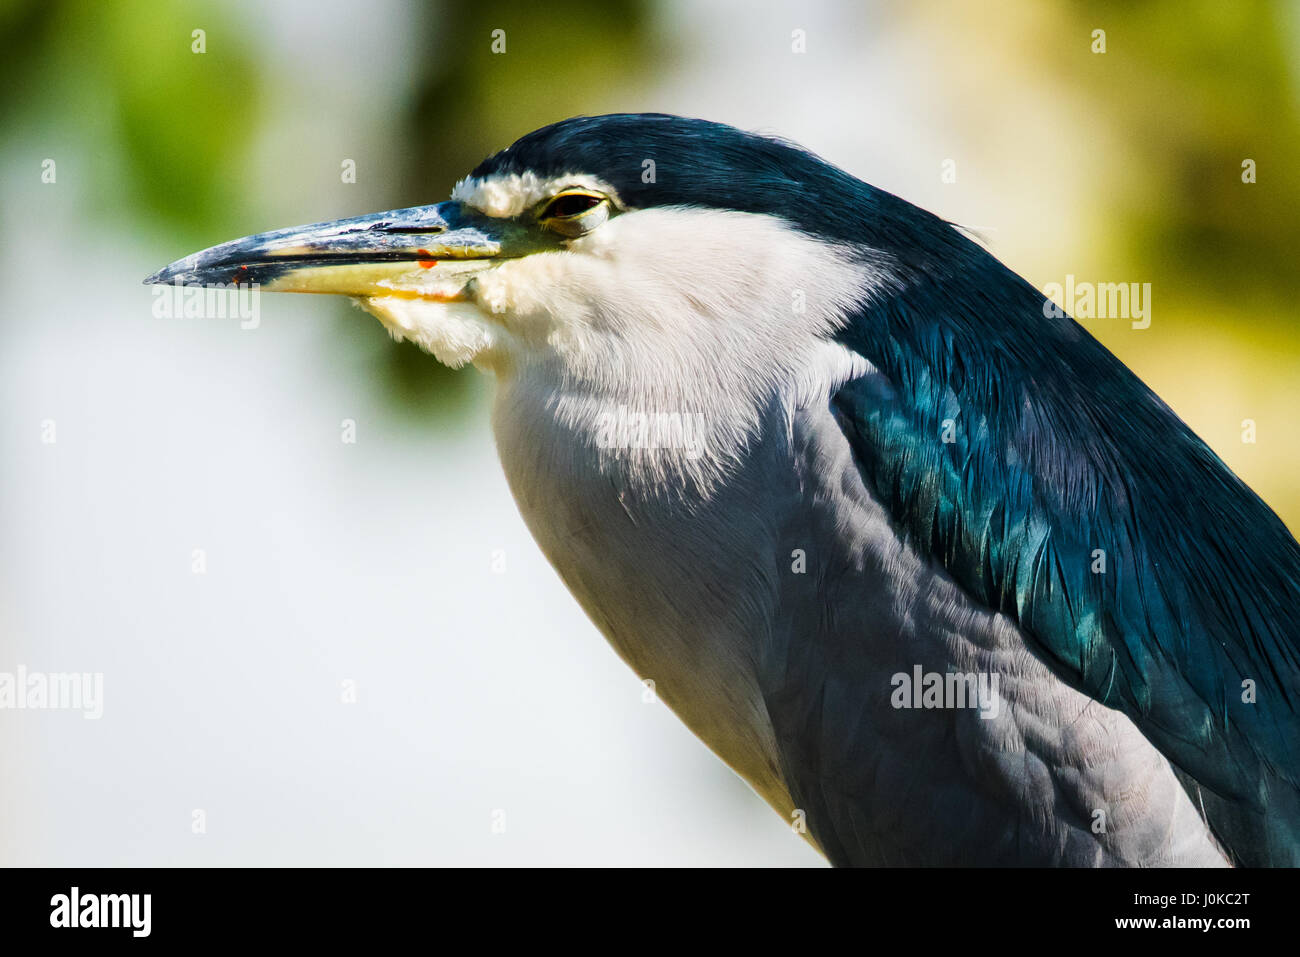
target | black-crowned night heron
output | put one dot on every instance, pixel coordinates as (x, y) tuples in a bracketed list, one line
[(915, 555)]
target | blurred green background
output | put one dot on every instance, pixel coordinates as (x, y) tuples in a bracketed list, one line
[(1122, 166)]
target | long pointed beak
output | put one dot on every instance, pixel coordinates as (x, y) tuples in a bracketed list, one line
[(397, 252)]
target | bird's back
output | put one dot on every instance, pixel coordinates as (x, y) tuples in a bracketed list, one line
[(1017, 453)]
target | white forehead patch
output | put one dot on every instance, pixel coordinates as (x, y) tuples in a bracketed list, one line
[(509, 194)]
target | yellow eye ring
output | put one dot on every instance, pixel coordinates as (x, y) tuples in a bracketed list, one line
[(571, 204), (574, 212)]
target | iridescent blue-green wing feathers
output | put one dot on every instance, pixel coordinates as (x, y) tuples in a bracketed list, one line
[(1054, 486)]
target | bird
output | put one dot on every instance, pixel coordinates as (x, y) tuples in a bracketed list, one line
[(914, 554)]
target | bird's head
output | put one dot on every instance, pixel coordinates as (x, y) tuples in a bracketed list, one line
[(575, 234), (649, 260)]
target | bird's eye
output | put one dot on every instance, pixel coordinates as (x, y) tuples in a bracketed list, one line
[(568, 205), (575, 213)]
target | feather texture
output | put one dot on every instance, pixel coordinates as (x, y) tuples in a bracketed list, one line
[(1060, 457)]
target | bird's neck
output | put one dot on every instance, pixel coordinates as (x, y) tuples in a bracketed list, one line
[(671, 551)]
